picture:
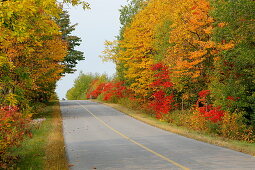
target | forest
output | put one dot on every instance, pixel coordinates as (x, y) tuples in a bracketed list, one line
[(36, 49), (190, 63)]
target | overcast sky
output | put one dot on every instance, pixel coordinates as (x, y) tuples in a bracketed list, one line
[(96, 25)]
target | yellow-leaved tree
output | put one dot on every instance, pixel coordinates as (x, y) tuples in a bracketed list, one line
[(138, 48), (192, 54), (31, 48)]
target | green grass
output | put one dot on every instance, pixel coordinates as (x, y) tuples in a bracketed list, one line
[(34, 153)]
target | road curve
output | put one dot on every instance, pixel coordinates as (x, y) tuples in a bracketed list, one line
[(100, 137)]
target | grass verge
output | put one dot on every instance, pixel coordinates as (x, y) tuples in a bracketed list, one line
[(248, 148), (45, 150)]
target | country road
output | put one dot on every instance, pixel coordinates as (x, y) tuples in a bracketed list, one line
[(100, 137)]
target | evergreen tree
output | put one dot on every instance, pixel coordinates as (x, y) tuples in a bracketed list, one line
[(73, 56)]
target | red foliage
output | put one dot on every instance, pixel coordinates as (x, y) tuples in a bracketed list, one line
[(108, 90), (213, 114), (162, 76), (233, 98), (96, 92), (13, 127), (161, 101), (114, 89), (204, 93)]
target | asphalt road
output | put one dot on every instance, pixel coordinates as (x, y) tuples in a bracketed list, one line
[(100, 137)]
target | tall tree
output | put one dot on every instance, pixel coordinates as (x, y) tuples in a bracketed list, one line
[(31, 49), (73, 56), (233, 83), (127, 12), (138, 49)]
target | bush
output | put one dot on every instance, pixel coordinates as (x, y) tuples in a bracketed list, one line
[(13, 127), (179, 117), (198, 122), (233, 127)]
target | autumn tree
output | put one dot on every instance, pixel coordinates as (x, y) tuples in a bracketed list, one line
[(233, 83), (23, 31), (31, 50), (32, 55), (137, 50), (112, 48), (81, 86), (127, 12)]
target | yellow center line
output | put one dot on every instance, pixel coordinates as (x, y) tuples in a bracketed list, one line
[(133, 141)]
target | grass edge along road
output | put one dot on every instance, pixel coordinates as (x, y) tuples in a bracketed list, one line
[(46, 149), (248, 148)]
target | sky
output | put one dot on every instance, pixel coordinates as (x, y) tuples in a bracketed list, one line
[(95, 26)]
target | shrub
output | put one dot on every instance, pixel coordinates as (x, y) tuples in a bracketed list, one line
[(13, 127), (198, 122), (162, 96), (179, 117), (233, 127), (161, 103), (114, 91)]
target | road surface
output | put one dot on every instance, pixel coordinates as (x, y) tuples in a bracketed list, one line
[(100, 137)]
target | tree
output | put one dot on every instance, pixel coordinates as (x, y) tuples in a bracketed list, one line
[(81, 87), (73, 55), (127, 12), (138, 49), (233, 86), (32, 51)]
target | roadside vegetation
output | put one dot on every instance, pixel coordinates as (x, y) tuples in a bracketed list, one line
[(36, 50), (189, 64), (45, 148)]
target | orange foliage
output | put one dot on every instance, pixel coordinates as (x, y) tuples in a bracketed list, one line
[(191, 35)]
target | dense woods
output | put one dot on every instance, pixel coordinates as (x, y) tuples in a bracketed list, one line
[(36, 49), (190, 63)]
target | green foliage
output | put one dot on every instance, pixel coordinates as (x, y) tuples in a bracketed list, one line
[(161, 42), (73, 56), (127, 12), (234, 86), (81, 86)]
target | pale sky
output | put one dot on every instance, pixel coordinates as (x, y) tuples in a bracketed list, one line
[(96, 25)]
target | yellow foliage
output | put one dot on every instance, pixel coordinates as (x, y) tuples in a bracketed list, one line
[(31, 42), (10, 99), (226, 46), (208, 30), (190, 34), (137, 45), (222, 24), (232, 127), (190, 46), (110, 52), (198, 122)]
